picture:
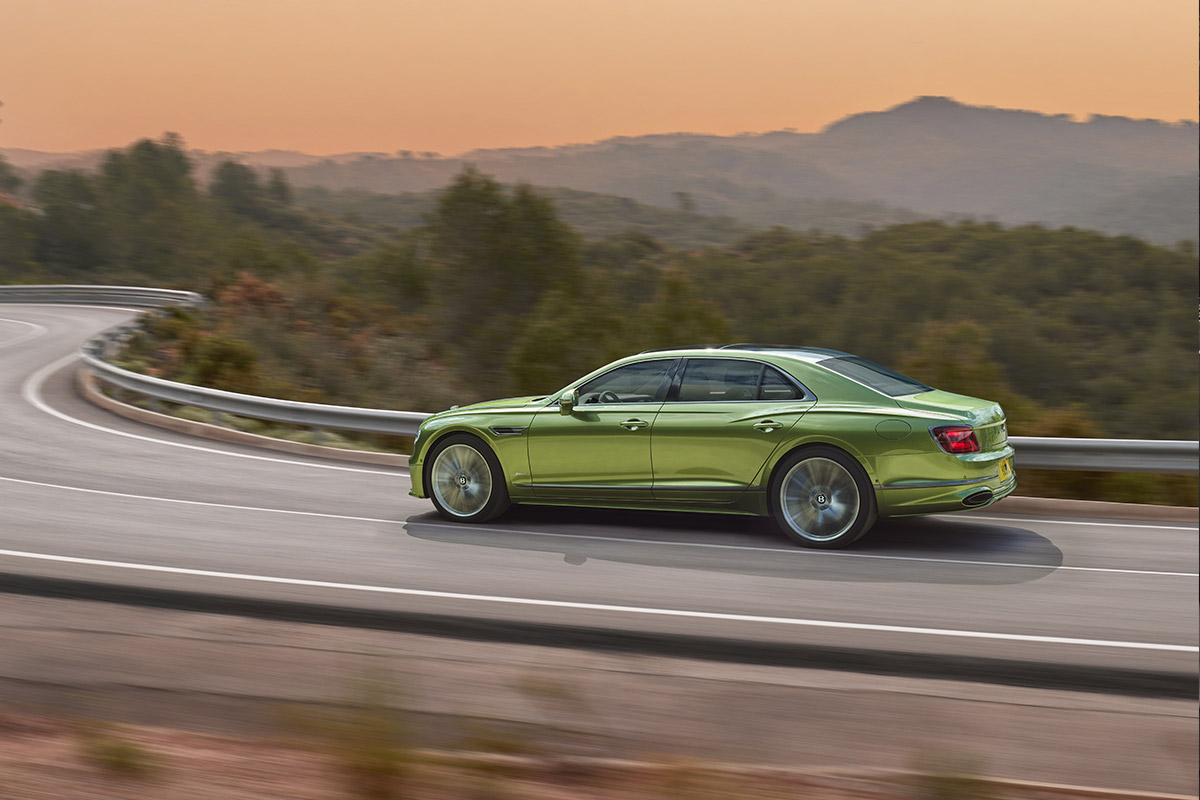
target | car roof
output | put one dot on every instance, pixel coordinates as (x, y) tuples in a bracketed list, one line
[(800, 352)]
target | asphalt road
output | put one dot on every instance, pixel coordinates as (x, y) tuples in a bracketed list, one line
[(88, 499)]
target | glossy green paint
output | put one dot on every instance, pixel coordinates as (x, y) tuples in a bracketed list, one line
[(604, 448), (744, 434), (711, 456)]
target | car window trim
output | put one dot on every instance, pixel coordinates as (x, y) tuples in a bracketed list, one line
[(875, 389), (659, 394), (673, 394)]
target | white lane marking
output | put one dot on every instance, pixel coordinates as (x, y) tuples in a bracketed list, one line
[(198, 502), (789, 551), (37, 331), (1040, 521), (664, 612), (31, 390), (14, 306)]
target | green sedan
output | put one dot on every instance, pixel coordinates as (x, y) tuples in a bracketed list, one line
[(821, 441)]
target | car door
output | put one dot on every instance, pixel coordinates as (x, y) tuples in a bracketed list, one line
[(719, 425), (601, 450)]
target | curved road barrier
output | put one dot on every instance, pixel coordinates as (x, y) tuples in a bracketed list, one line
[(1108, 455), (100, 295), (1095, 455)]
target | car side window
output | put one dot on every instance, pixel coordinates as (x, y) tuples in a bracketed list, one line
[(719, 379), (777, 387), (641, 382)]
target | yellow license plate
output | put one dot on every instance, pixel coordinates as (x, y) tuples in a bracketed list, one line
[(1006, 470)]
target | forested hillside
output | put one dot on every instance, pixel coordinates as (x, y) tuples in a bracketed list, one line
[(490, 292), (593, 215), (598, 215), (931, 157)]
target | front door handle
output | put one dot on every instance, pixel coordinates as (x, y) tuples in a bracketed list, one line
[(767, 425), (634, 424)]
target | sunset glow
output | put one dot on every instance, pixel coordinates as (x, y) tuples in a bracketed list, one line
[(384, 75)]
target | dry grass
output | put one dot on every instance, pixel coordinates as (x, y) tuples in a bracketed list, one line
[(43, 758)]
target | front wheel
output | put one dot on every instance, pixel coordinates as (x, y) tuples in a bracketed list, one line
[(820, 497), (465, 481)]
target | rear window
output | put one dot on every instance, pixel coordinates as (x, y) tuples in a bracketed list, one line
[(878, 377)]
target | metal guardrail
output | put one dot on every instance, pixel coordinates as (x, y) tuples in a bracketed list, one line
[(1095, 455), (98, 351), (314, 415), (1108, 455), (100, 295)]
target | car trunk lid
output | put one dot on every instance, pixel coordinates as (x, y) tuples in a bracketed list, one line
[(991, 429)]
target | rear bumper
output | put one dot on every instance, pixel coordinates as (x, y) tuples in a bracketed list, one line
[(940, 498)]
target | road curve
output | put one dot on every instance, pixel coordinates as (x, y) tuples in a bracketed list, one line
[(97, 504)]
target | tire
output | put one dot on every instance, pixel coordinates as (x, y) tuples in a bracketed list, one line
[(465, 481), (821, 497)]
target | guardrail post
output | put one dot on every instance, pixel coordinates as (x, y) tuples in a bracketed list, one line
[(318, 434), (218, 418)]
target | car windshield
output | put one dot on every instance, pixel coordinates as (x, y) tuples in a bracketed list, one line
[(878, 377)]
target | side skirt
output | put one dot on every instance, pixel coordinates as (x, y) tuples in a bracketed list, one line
[(698, 508)]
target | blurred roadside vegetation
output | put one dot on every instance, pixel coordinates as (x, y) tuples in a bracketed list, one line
[(484, 290)]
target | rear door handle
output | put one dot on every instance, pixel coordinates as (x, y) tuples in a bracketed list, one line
[(634, 424), (767, 425)]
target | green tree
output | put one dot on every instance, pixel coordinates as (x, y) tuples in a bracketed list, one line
[(572, 331), (540, 250), (393, 272), (18, 242), (71, 235), (251, 253), (954, 356), (154, 218), (678, 316), (10, 181), (237, 187), (493, 256), (278, 188), (465, 240)]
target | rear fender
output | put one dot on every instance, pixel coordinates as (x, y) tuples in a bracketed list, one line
[(849, 429)]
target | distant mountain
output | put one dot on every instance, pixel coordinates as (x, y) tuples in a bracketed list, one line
[(1018, 166), (1162, 211), (34, 160), (929, 157)]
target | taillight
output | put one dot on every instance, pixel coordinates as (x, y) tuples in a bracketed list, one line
[(956, 439)]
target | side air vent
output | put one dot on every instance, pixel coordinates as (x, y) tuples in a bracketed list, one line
[(502, 430)]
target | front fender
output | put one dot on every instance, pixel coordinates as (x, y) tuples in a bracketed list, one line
[(502, 430)]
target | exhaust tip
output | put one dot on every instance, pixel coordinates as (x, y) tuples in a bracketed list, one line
[(980, 498)]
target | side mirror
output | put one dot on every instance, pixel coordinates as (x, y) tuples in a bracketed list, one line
[(567, 403)]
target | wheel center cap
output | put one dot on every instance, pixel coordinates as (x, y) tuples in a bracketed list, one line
[(462, 479)]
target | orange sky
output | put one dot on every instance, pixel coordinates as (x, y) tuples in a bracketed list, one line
[(330, 76)]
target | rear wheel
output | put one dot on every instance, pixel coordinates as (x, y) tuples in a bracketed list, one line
[(821, 497), (465, 481)]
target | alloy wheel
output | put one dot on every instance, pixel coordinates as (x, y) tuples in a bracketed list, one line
[(820, 499), (462, 480)]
